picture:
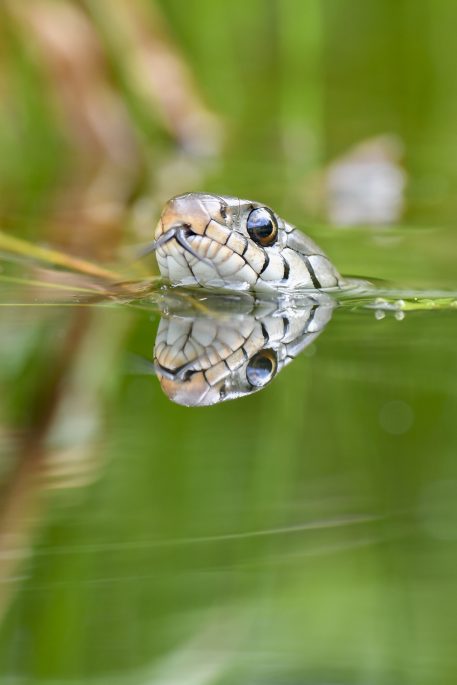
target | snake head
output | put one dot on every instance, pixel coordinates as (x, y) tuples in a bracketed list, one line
[(226, 242)]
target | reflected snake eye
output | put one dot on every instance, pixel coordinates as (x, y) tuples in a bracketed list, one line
[(262, 226), (261, 368)]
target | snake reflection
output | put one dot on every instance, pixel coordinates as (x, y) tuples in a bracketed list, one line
[(203, 358)]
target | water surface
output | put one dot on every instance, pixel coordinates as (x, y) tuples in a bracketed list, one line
[(303, 533)]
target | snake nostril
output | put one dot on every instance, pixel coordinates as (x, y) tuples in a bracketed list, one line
[(187, 375)]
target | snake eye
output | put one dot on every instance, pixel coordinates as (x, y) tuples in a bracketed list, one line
[(262, 226), (261, 368)]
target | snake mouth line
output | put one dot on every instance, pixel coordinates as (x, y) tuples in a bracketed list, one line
[(181, 233), (182, 373)]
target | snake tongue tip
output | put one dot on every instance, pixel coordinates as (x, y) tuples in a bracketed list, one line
[(147, 249)]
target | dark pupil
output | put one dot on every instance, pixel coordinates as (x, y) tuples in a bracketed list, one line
[(260, 369), (261, 226)]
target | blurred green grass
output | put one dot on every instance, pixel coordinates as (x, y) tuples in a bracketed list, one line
[(293, 84)]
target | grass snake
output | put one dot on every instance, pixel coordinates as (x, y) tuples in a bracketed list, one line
[(225, 242)]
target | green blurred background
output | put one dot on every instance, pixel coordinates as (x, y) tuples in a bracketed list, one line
[(306, 534), (104, 105)]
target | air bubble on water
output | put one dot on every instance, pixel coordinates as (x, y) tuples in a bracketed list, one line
[(400, 315), (379, 314), (380, 302)]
